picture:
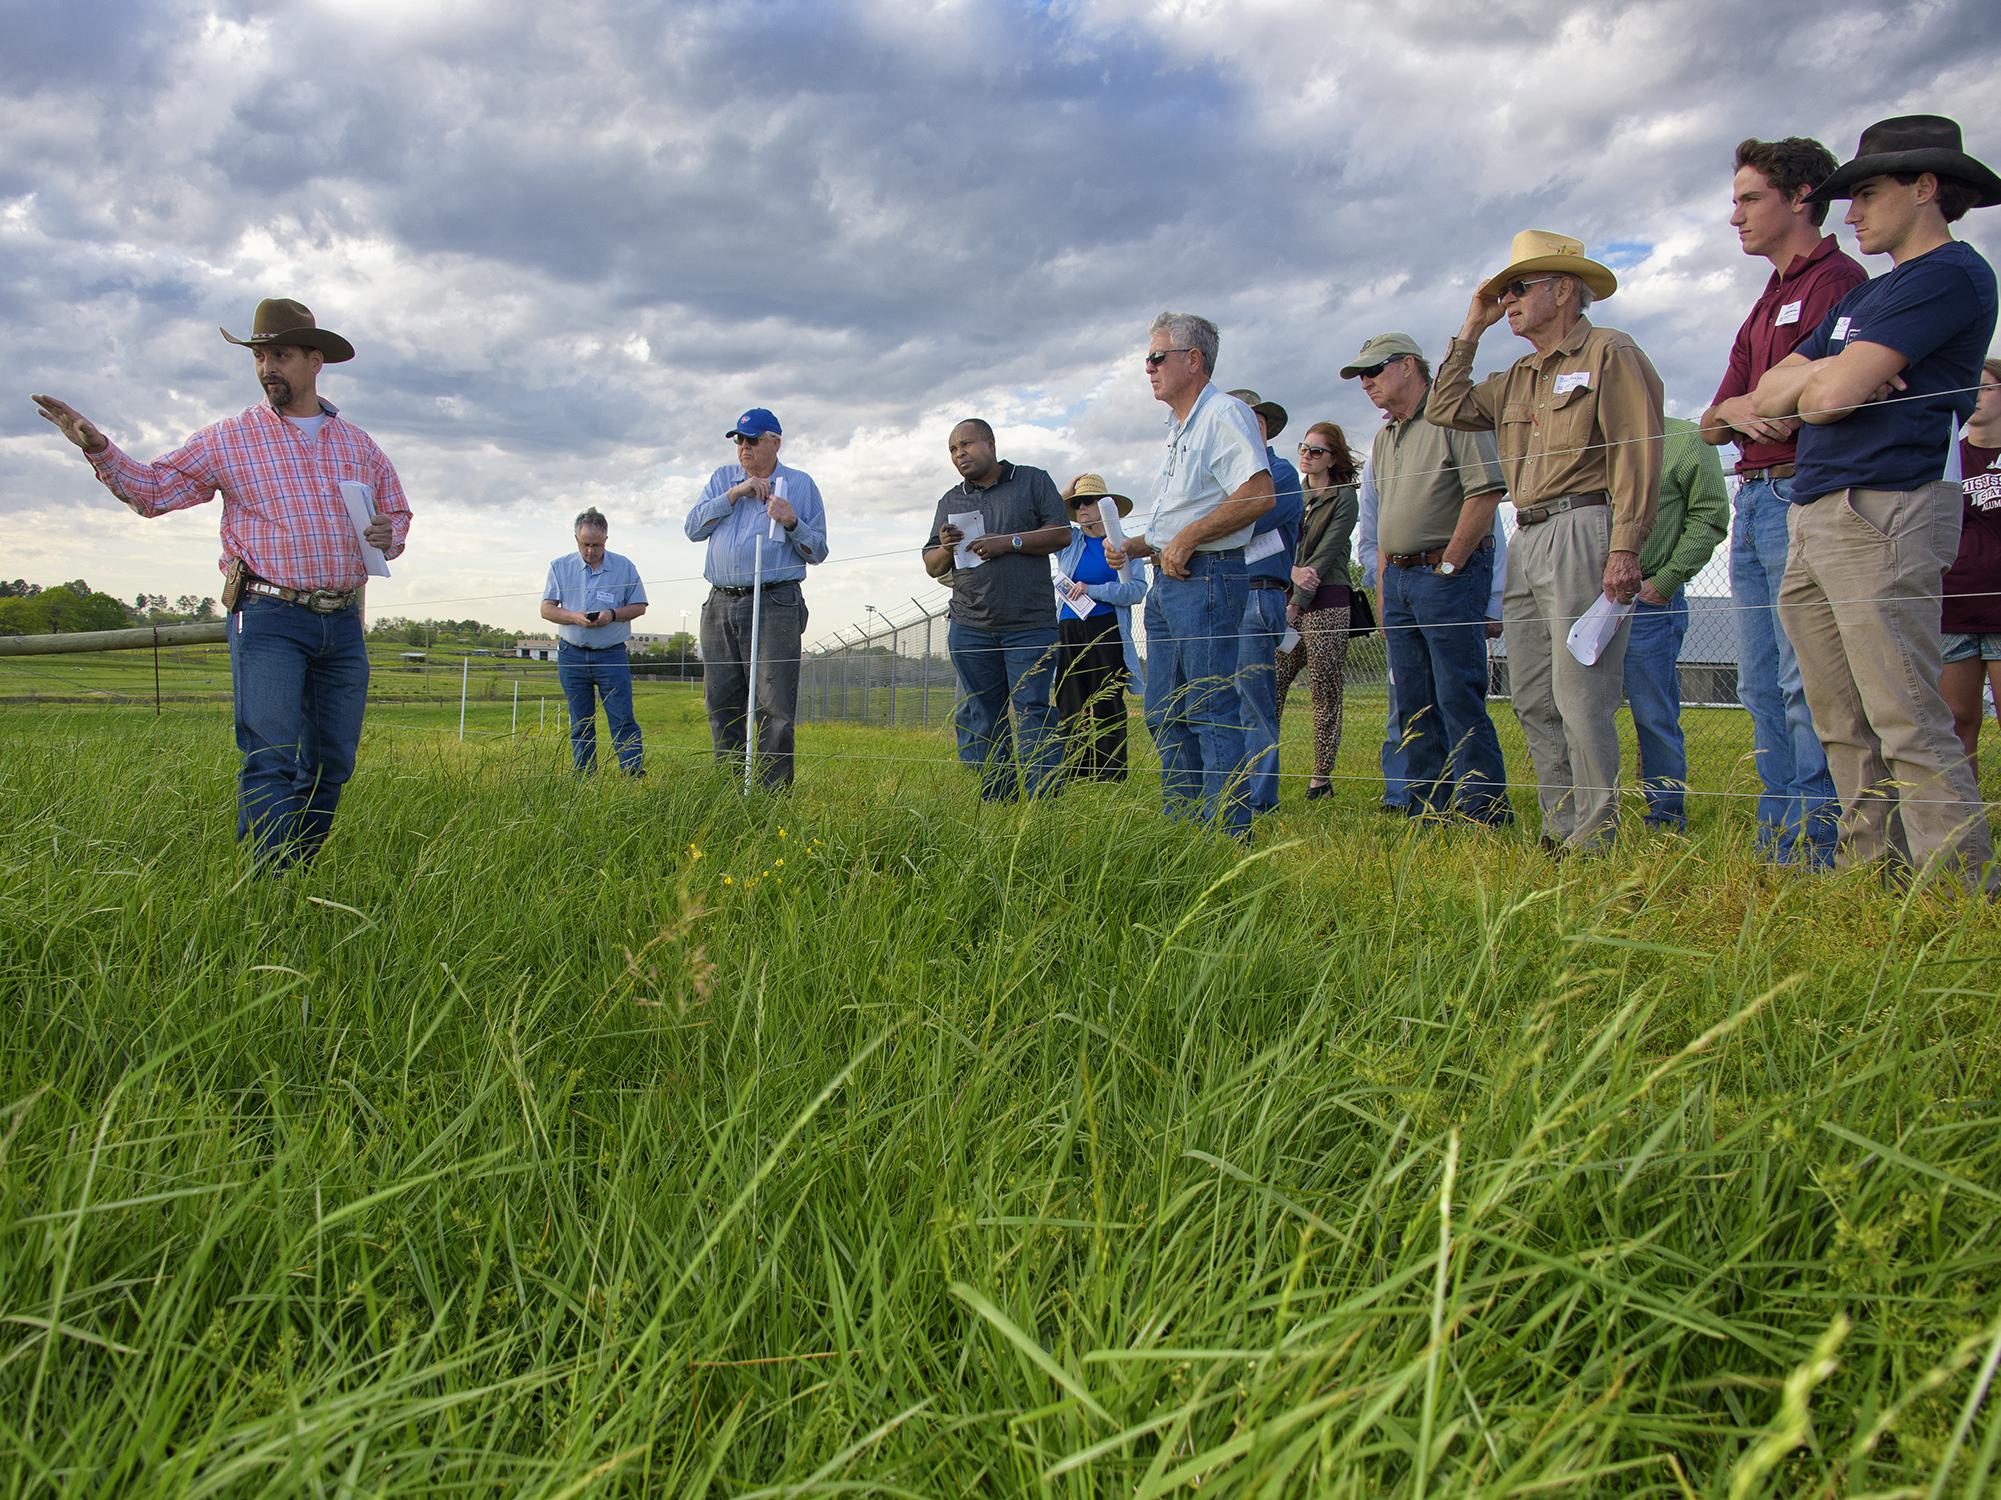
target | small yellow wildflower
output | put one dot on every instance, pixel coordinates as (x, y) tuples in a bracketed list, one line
[(693, 852), (778, 864), (783, 834), (728, 881)]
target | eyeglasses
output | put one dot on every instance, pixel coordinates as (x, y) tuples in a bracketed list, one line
[(1314, 450), (1157, 357), (745, 440), (1519, 288)]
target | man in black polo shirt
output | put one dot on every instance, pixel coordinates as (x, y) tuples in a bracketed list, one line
[(1002, 633)]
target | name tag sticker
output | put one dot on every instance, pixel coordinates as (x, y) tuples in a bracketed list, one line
[(1840, 329), (1790, 313), (1576, 380), (1263, 545)]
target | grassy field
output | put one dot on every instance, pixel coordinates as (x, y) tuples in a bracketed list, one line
[(557, 1138)]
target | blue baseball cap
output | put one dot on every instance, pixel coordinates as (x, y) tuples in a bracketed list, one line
[(754, 423)]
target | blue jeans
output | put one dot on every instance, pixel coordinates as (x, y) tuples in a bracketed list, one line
[(1797, 810), (1257, 693), (588, 673), (1653, 692), (1395, 758), (997, 670), (1436, 629), (300, 683), (1192, 625)]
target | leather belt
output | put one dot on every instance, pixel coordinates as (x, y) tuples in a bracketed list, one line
[(1776, 471), (1268, 583), (1434, 557), (744, 591), (319, 601), (1535, 515)]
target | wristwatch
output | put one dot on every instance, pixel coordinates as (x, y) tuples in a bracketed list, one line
[(1446, 570), (1017, 541)]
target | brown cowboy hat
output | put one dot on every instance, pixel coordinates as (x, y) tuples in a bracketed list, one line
[(1091, 487), (1271, 411), (1539, 250), (1911, 143), (280, 320)]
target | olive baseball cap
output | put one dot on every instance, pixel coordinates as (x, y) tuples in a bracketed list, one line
[(1384, 346)]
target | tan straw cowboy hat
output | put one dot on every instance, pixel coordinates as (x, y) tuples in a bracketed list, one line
[(1538, 250), (1092, 487), (280, 320)]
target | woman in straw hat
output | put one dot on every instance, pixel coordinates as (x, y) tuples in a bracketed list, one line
[(1320, 602), (1095, 660)]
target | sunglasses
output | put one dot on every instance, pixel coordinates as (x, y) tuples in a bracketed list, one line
[(1314, 450), (1370, 372), (745, 440), (1157, 357), (1519, 288)]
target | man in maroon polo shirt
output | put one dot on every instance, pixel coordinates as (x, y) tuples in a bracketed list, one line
[(1797, 809)]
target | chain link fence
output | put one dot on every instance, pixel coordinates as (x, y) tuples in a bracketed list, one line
[(892, 671), (897, 671)]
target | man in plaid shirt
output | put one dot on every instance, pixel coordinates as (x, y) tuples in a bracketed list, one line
[(292, 564)]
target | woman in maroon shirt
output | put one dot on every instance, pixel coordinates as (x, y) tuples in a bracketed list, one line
[(1972, 614)]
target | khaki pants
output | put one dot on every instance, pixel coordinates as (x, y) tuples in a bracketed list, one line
[(1860, 603), (1568, 711)]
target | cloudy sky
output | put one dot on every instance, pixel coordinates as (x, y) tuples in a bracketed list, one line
[(571, 242)]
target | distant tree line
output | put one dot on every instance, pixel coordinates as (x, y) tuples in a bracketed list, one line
[(30, 609), (428, 633)]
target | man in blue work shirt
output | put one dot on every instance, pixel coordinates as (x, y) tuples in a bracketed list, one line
[(754, 506), (592, 597), (1268, 570)]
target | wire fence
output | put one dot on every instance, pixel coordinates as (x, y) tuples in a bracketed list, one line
[(895, 671)]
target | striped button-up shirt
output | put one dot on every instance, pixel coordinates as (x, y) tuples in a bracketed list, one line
[(282, 511)]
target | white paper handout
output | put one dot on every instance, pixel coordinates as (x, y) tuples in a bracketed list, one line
[(1576, 380), (360, 502), (1287, 641), (974, 526), (1595, 628), (1263, 545), (773, 530), (1115, 535), (1078, 607)]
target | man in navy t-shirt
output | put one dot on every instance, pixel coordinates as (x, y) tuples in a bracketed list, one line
[(1880, 387)]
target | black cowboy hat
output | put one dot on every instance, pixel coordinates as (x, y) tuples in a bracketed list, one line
[(1911, 143)]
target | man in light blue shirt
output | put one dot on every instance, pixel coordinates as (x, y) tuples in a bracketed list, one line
[(1214, 483), (756, 507), (1268, 573), (592, 597)]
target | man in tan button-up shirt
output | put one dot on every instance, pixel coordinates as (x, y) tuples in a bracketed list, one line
[(1578, 423)]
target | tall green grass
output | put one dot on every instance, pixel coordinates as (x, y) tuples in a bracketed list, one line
[(557, 1137)]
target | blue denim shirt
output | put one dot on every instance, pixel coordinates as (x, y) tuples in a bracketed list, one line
[(1121, 595), (1284, 517), (735, 532)]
